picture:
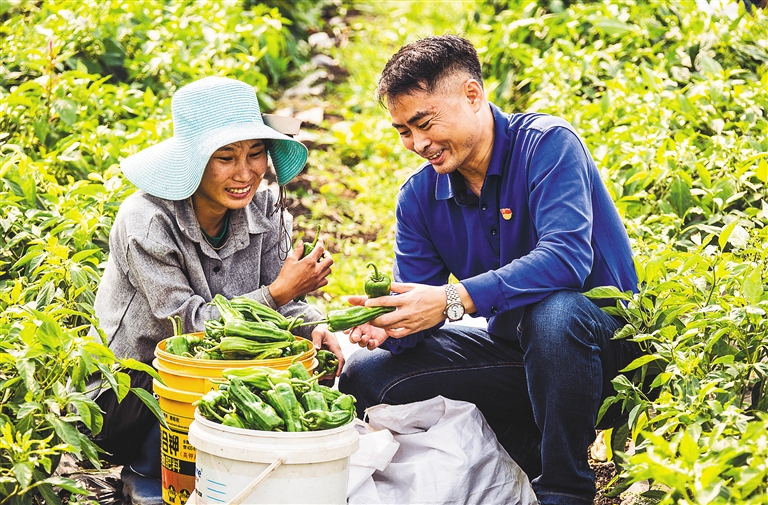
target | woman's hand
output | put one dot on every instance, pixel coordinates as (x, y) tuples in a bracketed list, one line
[(367, 335), (300, 276), (324, 339)]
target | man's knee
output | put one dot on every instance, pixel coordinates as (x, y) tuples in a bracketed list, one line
[(548, 321), (357, 377)]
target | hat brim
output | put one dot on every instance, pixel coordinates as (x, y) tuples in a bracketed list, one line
[(173, 169)]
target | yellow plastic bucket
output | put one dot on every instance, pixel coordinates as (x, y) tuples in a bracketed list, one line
[(177, 456), (186, 381)]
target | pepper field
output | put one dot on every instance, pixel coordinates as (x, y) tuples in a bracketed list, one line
[(669, 95)]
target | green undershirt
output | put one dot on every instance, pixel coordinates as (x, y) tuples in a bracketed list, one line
[(218, 240)]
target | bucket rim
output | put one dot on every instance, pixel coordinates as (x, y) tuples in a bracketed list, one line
[(271, 434), (266, 446), (165, 357), (170, 393)]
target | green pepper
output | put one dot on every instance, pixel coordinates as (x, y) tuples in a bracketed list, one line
[(298, 371), (324, 420), (260, 378), (226, 311), (300, 387), (214, 329), (243, 348), (377, 283), (258, 311), (344, 319), (212, 403), (234, 420), (344, 402), (300, 346), (256, 414), (329, 394), (327, 363), (314, 400), (284, 401), (259, 332), (177, 345), (308, 248)]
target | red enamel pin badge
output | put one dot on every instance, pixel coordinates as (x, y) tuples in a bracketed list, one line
[(506, 214)]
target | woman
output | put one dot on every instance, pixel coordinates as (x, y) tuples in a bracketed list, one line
[(197, 228)]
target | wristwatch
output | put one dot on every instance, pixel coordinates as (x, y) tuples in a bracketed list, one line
[(454, 309)]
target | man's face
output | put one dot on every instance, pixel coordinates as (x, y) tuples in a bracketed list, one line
[(442, 126)]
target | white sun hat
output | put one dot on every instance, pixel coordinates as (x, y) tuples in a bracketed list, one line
[(208, 114)]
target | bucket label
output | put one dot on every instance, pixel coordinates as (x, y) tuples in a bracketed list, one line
[(177, 458), (176, 422)]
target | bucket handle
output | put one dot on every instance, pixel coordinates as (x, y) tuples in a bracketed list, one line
[(250, 488)]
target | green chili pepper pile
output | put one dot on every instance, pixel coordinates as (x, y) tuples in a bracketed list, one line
[(262, 398), (245, 329)]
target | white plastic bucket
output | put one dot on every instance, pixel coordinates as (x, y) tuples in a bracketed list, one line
[(234, 465)]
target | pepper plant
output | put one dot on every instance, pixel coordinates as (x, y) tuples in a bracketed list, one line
[(44, 402)]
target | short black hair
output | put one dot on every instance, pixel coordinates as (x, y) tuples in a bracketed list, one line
[(423, 64)]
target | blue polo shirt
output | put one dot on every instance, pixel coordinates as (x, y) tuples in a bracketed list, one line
[(544, 222)]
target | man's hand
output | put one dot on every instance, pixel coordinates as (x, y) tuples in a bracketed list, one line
[(300, 276), (324, 339), (419, 307)]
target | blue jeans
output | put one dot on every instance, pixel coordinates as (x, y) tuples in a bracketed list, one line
[(539, 392)]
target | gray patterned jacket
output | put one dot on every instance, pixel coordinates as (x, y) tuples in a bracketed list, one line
[(161, 266)]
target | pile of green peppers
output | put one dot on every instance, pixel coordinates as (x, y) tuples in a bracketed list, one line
[(265, 399), (245, 329)]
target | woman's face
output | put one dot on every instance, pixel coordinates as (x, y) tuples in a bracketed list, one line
[(231, 177)]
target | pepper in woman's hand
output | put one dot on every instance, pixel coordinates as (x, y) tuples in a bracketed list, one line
[(327, 363), (309, 247), (377, 283)]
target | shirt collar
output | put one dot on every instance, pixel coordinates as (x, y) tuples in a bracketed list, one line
[(452, 185), (250, 220)]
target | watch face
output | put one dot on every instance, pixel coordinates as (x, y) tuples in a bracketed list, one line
[(454, 312)]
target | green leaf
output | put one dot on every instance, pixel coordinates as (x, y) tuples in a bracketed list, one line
[(689, 449), (67, 110), (22, 470), (67, 484), (608, 292), (725, 234), (626, 331), (135, 364), (762, 170), (612, 26), (638, 362), (707, 65), (151, 402), (753, 286), (680, 197), (46, 490), (66, 431)]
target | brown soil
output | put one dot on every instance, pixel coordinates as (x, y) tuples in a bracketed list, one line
[(604, 472)]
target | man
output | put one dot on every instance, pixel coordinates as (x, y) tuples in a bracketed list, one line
[(514, 208)]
